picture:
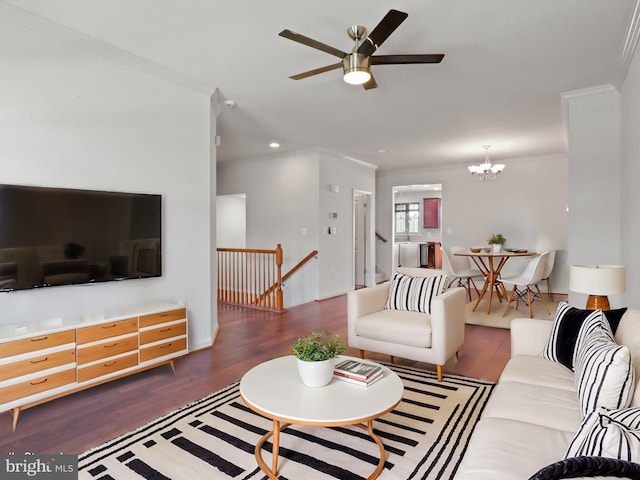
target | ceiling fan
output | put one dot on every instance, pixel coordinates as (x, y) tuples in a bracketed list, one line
[(356, 65)]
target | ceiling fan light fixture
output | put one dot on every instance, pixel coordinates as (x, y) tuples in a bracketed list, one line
[(356, 69)]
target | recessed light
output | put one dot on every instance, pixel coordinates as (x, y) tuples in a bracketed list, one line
[(381, 151), (274, 144)]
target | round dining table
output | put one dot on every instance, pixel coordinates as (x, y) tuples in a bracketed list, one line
[(491, 270)]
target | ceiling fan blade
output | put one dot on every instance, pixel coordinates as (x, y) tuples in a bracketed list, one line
[(381, 32), (370, 84), (316, 71), (310, 42), (404, 59)]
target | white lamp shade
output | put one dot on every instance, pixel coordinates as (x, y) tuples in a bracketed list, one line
[(598, 279)]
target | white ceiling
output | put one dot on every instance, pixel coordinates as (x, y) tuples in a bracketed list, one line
[(506, 64)]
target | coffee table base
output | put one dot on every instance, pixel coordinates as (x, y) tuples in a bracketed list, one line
[(272, 472)]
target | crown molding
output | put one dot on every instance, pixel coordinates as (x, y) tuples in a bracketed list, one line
[(92, 45), (629, 46)]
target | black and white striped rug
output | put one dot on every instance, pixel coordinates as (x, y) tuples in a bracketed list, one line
[(425, 437)]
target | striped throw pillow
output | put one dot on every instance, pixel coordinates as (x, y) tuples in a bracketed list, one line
[(414, 293), (604, 374), (567, 324), (608, 433)]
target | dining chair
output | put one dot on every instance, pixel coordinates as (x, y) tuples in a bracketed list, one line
[(547, 271), (460, 268), (523, 284)]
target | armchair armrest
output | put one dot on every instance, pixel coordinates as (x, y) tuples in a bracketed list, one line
[(448, 319), (367, 300), (529, 336)]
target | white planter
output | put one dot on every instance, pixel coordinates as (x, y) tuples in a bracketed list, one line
[(316, 374), (497, 248)]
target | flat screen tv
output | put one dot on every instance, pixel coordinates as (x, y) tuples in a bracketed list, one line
[(60, 236)]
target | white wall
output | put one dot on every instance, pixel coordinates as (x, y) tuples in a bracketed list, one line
[(630, 174), (288, 201), (336, 250), (70, 118), (527, 204), (281, 207), (594, 179), (231, 221)]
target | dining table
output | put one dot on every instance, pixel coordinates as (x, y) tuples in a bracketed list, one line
[(490, 265)]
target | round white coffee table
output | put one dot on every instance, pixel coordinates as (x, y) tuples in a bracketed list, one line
[(274, 389)]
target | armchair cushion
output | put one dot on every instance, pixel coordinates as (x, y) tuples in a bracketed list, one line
[(414, 294), (609, 433), (400, 327)]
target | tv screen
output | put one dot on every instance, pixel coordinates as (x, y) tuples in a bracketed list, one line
[(60, 236)]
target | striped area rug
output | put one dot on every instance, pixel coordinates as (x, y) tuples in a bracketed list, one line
[(425, 437)]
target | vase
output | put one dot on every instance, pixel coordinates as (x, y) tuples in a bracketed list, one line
[(316, 374), (497, 248)]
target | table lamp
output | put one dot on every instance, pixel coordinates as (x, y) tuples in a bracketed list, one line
[(597, 281)]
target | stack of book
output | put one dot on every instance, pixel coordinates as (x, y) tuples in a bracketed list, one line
[(360, 373)]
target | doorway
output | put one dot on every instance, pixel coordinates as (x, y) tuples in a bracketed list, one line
[(362, 253), (416, 226)]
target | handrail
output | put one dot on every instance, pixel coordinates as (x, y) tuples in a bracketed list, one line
[(253, 277), (312, 254), (294, 269), (246, 275), (381, 237)]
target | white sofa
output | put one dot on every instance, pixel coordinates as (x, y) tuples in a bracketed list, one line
[(413, 335), (534, 413)]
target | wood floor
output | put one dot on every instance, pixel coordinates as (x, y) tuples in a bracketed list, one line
[(83, 420)]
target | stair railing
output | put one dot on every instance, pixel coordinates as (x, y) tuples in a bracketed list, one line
[(253, 277)]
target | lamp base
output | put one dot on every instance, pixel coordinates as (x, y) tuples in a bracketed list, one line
[(597, 302)]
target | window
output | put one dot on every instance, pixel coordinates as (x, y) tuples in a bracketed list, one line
[(408, 217)]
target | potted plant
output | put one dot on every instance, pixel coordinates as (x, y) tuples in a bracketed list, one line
[(496, 240), (316, 355)]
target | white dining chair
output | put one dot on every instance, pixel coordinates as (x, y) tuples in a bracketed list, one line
[(460, 269), (547, 271), (522, 285)]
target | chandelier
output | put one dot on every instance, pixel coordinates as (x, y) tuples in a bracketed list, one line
[(486, 170)]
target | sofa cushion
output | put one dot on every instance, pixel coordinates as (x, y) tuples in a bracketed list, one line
[(604, 374), (538, 371), (567, 322), (609, 433), (502, 449), (548, 407), (396, 326), (414, 293)]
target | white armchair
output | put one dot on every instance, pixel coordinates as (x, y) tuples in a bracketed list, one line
[(433, 338)]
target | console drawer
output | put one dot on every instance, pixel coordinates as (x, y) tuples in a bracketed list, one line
[(107, 349), (37, 385), (165, 331), (106, 330), (17, 347), (110, 366), (37, 364), (163, 317), (162, 349)]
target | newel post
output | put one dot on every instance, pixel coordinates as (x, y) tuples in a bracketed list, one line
[(279, 296)]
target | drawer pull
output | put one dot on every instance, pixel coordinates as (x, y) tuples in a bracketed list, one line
[(39, 339), (39, 383), (40, 361), (112, 345), (165, 330), (109, 364), (166, 346), (109, 326)]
